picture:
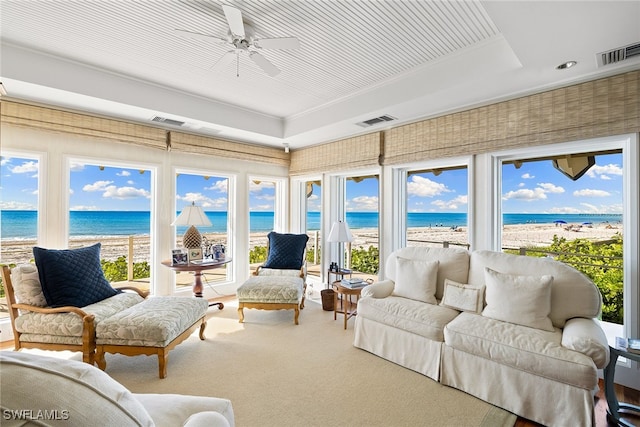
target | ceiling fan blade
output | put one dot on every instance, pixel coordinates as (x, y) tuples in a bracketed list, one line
[(199, 36), (224, 61), (264, 63), (279, 43), (234, 19)]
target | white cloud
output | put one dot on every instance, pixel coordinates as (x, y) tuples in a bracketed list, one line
[(522, 184), (424, 187), (450, 204), (222, 186), (83, 208), (76, 167), (13, 205), (262, 208), (527, 176), (124, 173), (550, 188), (97, 186), (363, 203), (255, 187), (526, 194), (26, 167), (588, 192), (5, 160), (607, 209), (206, 202), (565, 210), (603, 172), (122, 193), (130, 182)]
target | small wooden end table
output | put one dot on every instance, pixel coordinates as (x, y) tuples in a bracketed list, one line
[(344, 292), (197, 269), (613, 413), (339, 275)]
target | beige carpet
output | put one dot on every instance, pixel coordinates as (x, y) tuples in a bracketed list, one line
[(276, 373)]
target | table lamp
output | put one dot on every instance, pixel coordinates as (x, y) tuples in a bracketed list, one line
[(191, 216), (340, 233)]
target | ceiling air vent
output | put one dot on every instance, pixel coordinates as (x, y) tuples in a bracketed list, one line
[(617, 55), (167, 121), (376, 120)]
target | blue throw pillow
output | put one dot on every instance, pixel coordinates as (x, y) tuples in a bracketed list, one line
[(72, 276), (286, 251)]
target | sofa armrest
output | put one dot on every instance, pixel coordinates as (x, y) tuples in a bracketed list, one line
[(380, 289), (586, 336), (207, 419)]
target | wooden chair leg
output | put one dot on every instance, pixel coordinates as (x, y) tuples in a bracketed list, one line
[(202, 327), (296, 315), (100, 360), (241, 314), (163, 358)]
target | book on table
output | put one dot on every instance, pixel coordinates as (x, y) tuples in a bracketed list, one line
[(632, 345), (353, 283)]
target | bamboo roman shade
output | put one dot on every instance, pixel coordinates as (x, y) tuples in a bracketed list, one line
[(187, 143), (345, 154), (598, 108), (50, 119)]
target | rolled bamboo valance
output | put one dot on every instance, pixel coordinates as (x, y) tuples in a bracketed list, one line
[(604, 107), (357, 152), (188, 143), (45, 118)]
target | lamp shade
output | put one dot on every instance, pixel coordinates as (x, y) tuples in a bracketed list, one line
[(192, 215), (340, 233)]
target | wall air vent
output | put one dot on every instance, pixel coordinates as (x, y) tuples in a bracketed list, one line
[(617, 55), (376, 120), (167, 121)]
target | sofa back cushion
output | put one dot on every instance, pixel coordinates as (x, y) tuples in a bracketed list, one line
[(572, 293), (453, 264), (71, 391)]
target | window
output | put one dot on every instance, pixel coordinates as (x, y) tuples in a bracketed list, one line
[(19, 210), (436, 213), (111, 205), (591, 200), (362, 215), (211, 193), (266, 214)]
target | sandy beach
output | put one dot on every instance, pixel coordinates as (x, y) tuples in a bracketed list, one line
[(514, 236)]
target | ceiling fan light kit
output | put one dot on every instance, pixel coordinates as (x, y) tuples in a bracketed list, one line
[(242, 38)]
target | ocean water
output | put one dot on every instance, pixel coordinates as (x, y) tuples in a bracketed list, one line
[(22, 224)]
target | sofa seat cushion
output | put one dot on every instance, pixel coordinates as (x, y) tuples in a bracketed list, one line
[(423, 319), (70, 324), (530, 350), (155, 322), (271, 289)]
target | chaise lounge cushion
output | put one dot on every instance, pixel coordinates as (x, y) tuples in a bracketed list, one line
[(72, 277), (155, 322), (66, 328), (270, 289), (526, 349)]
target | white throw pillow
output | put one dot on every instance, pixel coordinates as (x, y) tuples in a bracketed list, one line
[(463, 297), (523, 300), (26, 285), (416, 279)]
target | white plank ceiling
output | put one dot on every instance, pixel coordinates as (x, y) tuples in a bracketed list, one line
[(358, 59)]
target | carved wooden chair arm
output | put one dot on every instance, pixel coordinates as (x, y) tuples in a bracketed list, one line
[(58, 310), (143, 294)]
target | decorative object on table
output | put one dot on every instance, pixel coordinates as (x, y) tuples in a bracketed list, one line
[(355, 282), (195, 254), (340, 233), (192, 216), (179, 257), (219, 251), (632, 345)]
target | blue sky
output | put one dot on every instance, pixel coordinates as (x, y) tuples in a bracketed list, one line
[(536, 187)]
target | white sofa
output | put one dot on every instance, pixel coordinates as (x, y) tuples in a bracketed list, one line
[(531, 345), (47, 391)]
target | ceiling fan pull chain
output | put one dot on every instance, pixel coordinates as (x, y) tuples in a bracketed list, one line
[(237, 63)]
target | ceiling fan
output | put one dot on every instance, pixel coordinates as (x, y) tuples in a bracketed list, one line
[(241, 37)]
